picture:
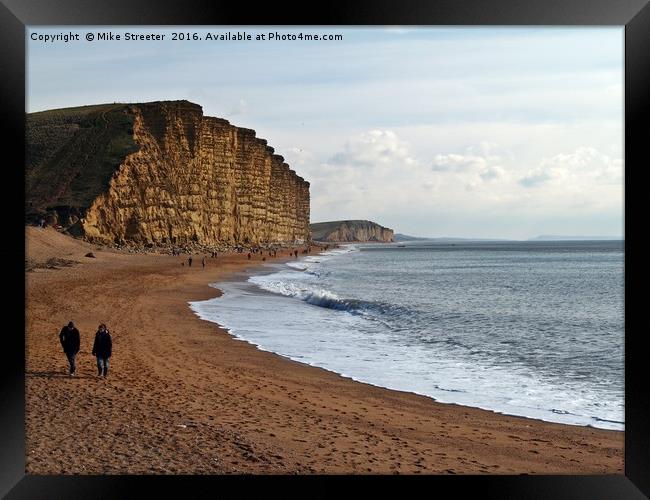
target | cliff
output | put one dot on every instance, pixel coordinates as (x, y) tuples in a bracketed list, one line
[(350, 230), (160, 173)]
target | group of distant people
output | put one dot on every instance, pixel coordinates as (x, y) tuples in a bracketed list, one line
[(252, 250), (102, 347)]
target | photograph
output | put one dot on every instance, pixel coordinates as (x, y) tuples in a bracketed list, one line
[(324, 250)]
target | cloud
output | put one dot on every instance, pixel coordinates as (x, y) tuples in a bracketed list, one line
[(374, 148), (481, 163), (585, 165), (379, 176), (490, 150), (371, 173), (535, 178), (492, 173), (457, 163)]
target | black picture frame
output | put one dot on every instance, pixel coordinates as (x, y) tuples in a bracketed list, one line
[(15, 15)]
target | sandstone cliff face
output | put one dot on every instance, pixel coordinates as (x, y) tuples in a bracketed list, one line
[(197, 179), (351, 231)]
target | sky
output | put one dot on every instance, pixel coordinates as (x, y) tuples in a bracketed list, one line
[(487, 132)]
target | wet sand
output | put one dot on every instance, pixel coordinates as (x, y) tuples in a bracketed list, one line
[(185, 397)]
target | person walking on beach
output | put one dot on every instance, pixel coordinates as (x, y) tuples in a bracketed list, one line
[(189, 261), (103, 349), (70, 341), (203, 262)]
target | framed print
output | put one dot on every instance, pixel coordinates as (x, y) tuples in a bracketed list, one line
[(355, 243)]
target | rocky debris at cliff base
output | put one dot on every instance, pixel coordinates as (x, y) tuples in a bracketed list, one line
[(196, 248)]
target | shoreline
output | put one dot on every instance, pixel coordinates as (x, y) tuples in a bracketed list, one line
[(180, 399), (242, 277)]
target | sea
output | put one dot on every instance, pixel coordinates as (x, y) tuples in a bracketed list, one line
[(533, 329)]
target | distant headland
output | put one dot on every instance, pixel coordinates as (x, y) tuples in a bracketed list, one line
[(350, 231)]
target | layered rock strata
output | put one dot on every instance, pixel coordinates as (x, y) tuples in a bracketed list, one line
[(193, 179), (351, 231)]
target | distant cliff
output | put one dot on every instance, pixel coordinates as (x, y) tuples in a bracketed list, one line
[(160, 173), (350, 230)]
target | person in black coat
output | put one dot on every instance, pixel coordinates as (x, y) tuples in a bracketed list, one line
[(102, 348), (70, 341)]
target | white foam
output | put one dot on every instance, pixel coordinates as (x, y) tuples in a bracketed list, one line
[(275, 312)]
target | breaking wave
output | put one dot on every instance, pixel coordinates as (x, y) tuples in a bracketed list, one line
[(320, 297)]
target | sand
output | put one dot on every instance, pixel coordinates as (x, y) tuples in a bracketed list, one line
[(185, 397)]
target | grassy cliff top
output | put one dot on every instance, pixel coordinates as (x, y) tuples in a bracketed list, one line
[(73, 152)]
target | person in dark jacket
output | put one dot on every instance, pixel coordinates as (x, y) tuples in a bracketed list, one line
[(70, 341), (102, 348)]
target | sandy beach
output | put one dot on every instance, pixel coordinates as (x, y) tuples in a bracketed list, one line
[(185, 397)]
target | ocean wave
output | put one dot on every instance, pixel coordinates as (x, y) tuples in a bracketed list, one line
[(320, 297), (310, 272), (618, 422), (442, 336), (341, 250), (298, 266), (307, 264)]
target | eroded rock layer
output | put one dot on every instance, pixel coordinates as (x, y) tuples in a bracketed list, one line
[(195, 178)]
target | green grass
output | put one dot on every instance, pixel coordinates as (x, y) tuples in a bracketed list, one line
[(72, 154)]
